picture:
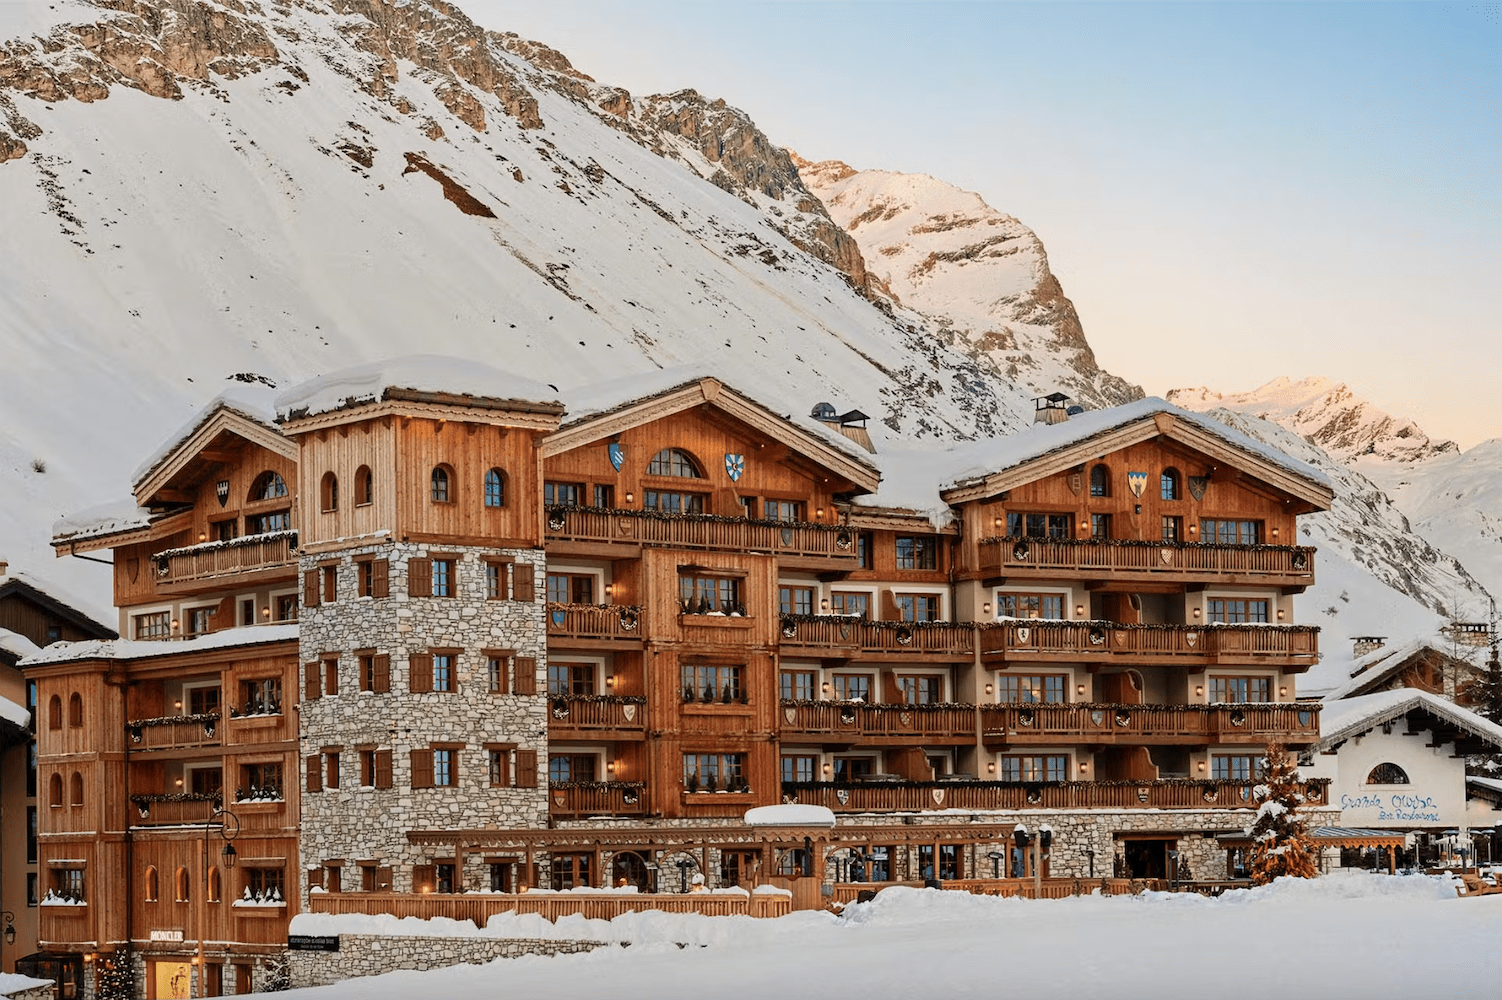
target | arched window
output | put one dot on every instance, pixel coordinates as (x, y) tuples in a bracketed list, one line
[(55, 713), (150, 883), (364, 486), (75, 787), (75, 710), (55, 790), (672, 462), (1100, 481), (268, 486), (495, 488), (1168, 484), (214, 886), (1387, 774), (328, 492), (184, 886), (442, 483)]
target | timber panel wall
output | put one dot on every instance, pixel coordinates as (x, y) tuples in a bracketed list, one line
[(344, 450), (469, 450)]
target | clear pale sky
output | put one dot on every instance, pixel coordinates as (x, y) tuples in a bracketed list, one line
[(1228, 192)]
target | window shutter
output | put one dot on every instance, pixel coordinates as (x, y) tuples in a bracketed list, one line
[(383, 776), (424, 878), (420, 673), (381, 682), (889, 610), (383, 878), (315, 773), (331, 679), (310, 589), (311, 689), (526, 768), (420, 577), (526, 675), (330, 584), (334, 878), (422, 769), (521, 582), (380, 578), (315, 878)]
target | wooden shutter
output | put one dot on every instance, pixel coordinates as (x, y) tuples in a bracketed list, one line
[(422, 768), (331, 676), (380, 578), (889, 610), (526, 768), (424, 878), (315, 773), (383, 774), (383, 878), (330, 584), (332, 780), (311, 681), (381, 682), (420, 673), (310, 589), (526, 675), (420, 577), (315, 878), (521, 583)]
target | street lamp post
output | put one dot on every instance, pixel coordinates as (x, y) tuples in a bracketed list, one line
[(226, 820)]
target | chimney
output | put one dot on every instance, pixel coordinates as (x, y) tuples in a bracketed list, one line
[(1367, 643), (1050, 409), (851, 424), (3, 567)]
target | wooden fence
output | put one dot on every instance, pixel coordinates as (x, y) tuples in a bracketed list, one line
[(594, 621), (852, 719), (1271, 644), (862, 636)]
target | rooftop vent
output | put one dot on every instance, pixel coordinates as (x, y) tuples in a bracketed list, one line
[(852, 424), (1050, 409), (825, 412), (1367, 643)]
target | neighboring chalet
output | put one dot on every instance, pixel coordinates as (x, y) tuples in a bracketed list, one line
[(539, 639), (33, 613)]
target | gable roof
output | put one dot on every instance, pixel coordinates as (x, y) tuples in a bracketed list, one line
[(986, 468), (55, 602), (608, 409), (241, 411), (1348, 718), (1372, 669)]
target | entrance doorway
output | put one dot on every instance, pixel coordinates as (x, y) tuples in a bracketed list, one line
[(629, 868), (1148, 858)]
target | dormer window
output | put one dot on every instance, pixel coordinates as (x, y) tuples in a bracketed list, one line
[(442, 485), (268, 486), (672, 462)]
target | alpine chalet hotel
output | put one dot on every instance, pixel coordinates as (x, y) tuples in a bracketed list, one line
[(430, 629)]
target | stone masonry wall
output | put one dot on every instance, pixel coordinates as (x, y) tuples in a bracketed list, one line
[(371, 955), (356, 823)]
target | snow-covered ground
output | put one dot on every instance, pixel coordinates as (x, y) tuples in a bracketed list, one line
[(1343, 936)]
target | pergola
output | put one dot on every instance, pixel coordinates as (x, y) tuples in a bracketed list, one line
[(1336, 836)]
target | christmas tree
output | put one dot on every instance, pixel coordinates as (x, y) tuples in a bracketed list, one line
[(1280, 841)]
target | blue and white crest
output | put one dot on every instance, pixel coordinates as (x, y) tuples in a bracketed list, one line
[(617, 455), (1137, 481), (735, 466)]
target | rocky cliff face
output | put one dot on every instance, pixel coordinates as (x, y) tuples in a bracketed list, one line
[(979, 276)]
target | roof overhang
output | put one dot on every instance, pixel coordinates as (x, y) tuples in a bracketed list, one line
[(712, 392), (397, 402), (1315, 495), (1421, 711), (223, 419)]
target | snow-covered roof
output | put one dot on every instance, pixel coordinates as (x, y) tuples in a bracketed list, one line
[(792, 814), (134, 649), (105, 519), (1490, 784), (368, 383), (85, 613), (251, 400), (16, 715), (16, 644), (1370, 668), (1349, 717)]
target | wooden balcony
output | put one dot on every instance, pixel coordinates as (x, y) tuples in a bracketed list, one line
[(172, 810), (838, 636), (592, 530), (846, 722), (481, 906), (594, 626), (1290, 647), (174, 732), (919, 796), (1041, 558), (1022, 888), (268, 555), (1196, 725), (597, 716), (576, 799)]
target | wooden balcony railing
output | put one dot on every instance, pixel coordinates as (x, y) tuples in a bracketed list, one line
[(1198, 724), (174, 731), (849, 720), (597, 798), (597, 712), (1290, 645), (1053, 888), (835, 634), (481, 906), (239, 555), (917, 796), (595, 621), (172, 810), (700, 531), (1285, 565)]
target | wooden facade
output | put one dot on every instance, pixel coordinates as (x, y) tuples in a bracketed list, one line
[(727, 626)]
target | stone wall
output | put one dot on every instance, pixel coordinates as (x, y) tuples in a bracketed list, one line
[(371, 955), (361, 823)]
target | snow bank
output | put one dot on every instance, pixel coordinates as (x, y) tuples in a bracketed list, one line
[(419, 373), (790, 815)]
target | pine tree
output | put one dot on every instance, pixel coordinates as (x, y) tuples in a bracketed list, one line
[(1280, 840), (1486, 690)]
